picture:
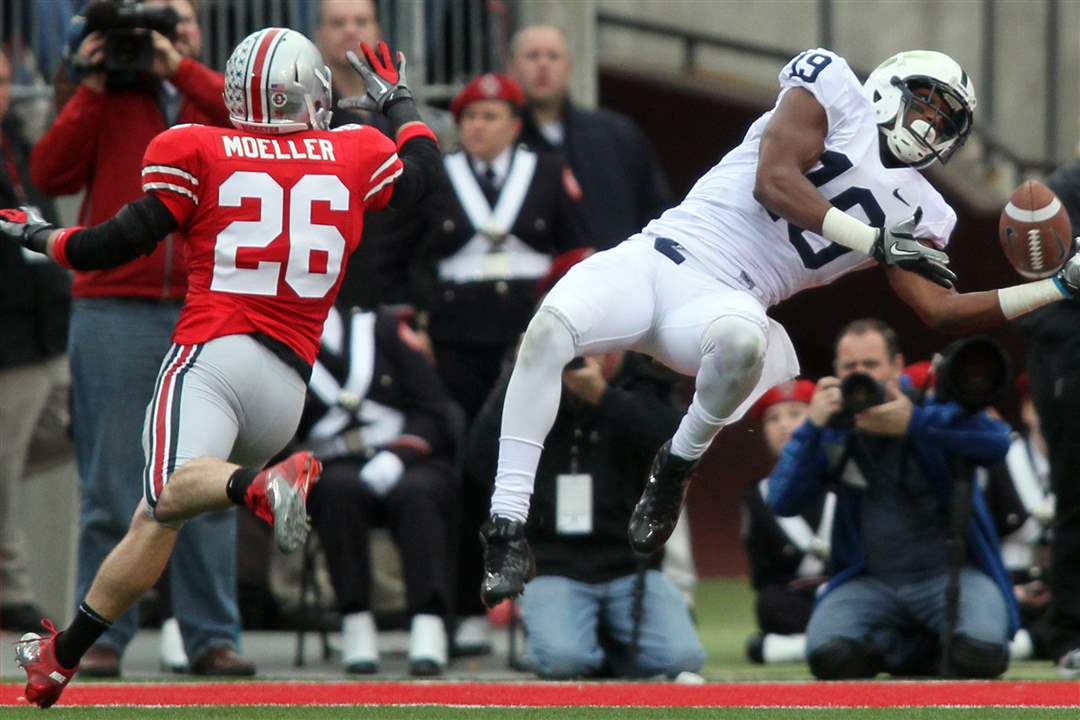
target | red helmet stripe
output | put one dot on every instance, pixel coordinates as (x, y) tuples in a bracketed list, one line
[(257, 109)]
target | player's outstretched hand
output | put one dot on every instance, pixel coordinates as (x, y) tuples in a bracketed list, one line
[(1069, 274), (384, 78), (898, 246), (25, 226)]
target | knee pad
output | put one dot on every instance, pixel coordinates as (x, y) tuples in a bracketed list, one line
[(547, 339), (972, 658), (844, 659), (738, 343)]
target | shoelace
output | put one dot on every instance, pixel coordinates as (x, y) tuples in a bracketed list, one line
[(45, 623)]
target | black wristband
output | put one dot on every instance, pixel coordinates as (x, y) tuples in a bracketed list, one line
[(38, 239), (401, 110)]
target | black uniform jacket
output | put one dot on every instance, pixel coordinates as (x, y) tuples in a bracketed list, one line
[(492, 312)]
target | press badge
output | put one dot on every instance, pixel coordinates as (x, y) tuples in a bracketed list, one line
[(573, 504)]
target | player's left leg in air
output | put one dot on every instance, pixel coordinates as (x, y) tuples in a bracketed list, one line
[(209, 404)]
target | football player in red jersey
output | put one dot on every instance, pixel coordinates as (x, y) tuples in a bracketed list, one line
[(268, 212)]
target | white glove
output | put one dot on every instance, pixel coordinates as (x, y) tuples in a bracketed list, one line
[(1069, 274), (1044, 511), (382, 472), (818, 548)]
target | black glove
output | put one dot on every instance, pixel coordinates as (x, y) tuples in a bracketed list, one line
[(25, 226), (385, 80), (898, 246), (1069, 274)]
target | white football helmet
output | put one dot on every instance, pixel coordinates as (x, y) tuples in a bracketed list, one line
[(892, 88), (276, 83)]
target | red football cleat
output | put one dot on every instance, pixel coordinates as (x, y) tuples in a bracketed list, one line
[(46, 678), (278, 495)]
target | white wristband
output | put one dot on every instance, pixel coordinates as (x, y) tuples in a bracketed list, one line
[(842, 229), (1020, 299)]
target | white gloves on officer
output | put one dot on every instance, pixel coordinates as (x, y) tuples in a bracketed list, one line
[(382, 472)]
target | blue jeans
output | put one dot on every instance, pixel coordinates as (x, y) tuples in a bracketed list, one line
[(906, 624), (565, 620), (116, 347)]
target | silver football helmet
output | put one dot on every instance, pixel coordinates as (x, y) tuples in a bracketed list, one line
[(276, 82), (913, 80)]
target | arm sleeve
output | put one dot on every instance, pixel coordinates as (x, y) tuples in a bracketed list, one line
[(135, 230), (799, 476), (204, 88), (978, 438), (171, 169), (62, 159)]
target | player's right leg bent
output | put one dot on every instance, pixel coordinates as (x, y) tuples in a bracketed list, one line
[(604, 303)]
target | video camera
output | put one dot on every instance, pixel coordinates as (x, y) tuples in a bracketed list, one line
[(858, 392), (974, 373), (126, 25)]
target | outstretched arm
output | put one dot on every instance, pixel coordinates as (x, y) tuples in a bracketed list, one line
[(135, 230), (953, 312)]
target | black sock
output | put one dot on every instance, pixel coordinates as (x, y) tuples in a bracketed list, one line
[(83, 632), (238, 484)]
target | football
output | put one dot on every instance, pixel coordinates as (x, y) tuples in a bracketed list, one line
[(1034, 230)]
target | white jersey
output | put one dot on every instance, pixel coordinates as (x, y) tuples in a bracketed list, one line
[(736, 238)]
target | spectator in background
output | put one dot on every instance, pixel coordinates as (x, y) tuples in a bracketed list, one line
[(377, 272), (121, 327), (1020, 500), (480, 250), (1054, 369), (788, 555), (621, 186), (378, 418), (595, 607), (34, 309), (884, 607)]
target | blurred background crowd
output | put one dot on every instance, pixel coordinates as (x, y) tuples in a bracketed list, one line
[(567, 126)]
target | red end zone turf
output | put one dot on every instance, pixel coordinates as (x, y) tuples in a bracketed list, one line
[(830, 694)]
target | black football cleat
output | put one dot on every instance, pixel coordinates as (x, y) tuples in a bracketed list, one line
[(657, 512), (508, 561)]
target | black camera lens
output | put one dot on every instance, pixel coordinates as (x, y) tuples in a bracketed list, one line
[(859, 392)]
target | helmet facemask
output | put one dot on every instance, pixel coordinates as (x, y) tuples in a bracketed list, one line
[(922, 131)]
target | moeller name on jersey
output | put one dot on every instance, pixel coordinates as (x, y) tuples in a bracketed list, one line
[(260, 148)]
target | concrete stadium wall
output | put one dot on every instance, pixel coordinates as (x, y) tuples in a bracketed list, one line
[(865, 32)]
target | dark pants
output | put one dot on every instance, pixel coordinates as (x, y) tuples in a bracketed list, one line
[(419, 515), (470, 372), (784, 610), (1057, 400)]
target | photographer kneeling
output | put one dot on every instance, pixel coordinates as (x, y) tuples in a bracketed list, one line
[(885, 607)]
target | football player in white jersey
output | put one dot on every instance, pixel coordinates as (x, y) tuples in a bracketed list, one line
[(825, 183)]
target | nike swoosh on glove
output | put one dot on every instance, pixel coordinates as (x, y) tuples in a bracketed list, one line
[(383, 78), (899, 247)]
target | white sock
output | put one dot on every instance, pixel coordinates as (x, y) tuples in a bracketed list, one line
[(427, 639), (784, 648), (359, 638), (696, 432), (518, 460), (172, 645), (529, 410), (1021, 647)]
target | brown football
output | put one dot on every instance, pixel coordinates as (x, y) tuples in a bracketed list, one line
[(1035, 231)]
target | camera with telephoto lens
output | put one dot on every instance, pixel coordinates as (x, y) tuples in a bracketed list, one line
[(858, 392), (974, 373), (126, 26)]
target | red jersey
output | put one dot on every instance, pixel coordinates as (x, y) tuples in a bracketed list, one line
[(267, 222)]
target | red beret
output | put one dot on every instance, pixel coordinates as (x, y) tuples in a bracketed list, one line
[(492, 86), (560, 265), (793, 391), (921, 375)]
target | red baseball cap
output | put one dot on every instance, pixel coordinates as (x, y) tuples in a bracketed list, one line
[(921, 375), (793, 391), (490, 86)]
